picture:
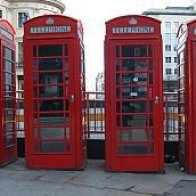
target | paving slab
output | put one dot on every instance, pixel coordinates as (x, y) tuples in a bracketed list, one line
[(16, 180), (183, 188), (59, 176)]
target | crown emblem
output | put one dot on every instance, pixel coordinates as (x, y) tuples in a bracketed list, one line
[(132, 21), (49, 21)]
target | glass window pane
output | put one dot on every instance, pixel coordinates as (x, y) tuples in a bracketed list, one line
[(176, 25), (151, 120), (117, 51), (67, 119), (168, 25), (36, 64), (135, 78), (9, 139), (50, 120), (35, 78), (67, 133), (132, 135), (50, 50), (150, 64), (35, 93), (9, 117), (49, 64), (150, 106), (167, 37), (66, 61), (134, 64), (67, 105), (51, 91), (9, 111), (10, 94), (168, 59), (133, 149), (9, 88), (51, 78), (9, 79), (150, 78), (51, 105), (66, 50), (118, 92), (134, 107), (167, 47), (151, 148), (151, 134), (9, 103), (34, 51), (150, 51), (8, 53), (9, 133), (134, 120), (53, 146), (9, 126), (117, 79), (117, 62), (36, 145), (118, 121), (134, 51), (52, 133), (118, 107), (134, 92), (22, 17), (8, 66)]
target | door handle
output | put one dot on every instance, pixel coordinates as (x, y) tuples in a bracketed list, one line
[(156, 101), (72, 98)]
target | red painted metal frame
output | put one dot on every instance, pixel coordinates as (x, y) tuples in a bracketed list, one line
[(187, 153), (144, 162), (8, 153), (76, 157)]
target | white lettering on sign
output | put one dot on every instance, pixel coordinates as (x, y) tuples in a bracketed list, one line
[(51, 29), (119, 30), (6, 34)]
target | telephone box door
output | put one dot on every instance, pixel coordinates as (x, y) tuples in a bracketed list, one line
[(137, 138), (8, 104), (51, 109)]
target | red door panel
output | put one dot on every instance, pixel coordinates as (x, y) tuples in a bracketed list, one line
[(51, 107), (8, 105), (136, 132)]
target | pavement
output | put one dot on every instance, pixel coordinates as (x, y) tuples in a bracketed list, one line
[(16, 180)]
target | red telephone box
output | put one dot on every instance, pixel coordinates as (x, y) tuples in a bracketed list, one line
[(54, 86), (187, 96), (134, 100), (8, 146)]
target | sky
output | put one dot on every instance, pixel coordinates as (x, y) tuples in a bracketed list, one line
[(94, 14)]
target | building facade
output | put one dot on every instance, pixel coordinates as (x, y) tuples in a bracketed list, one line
[(172, 18), (17, 12)]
